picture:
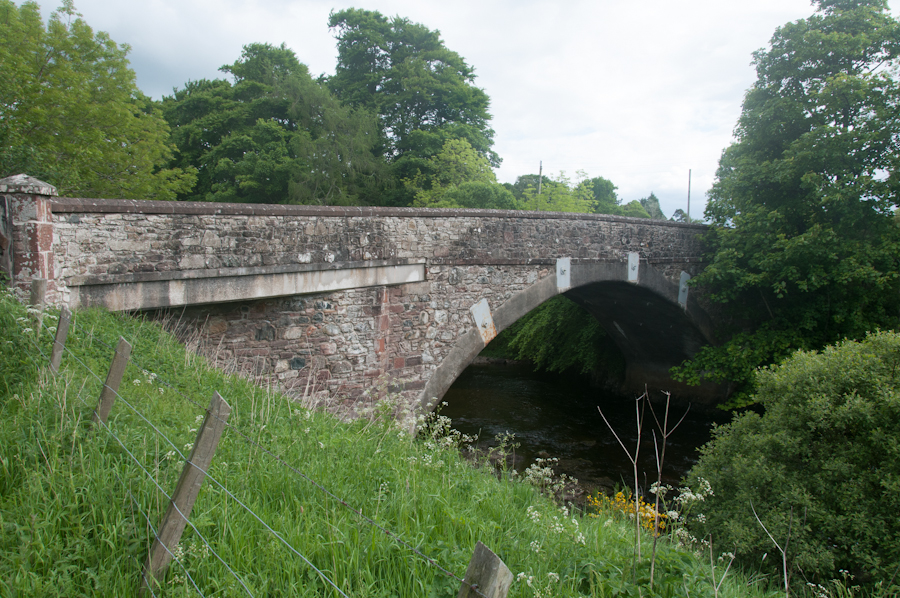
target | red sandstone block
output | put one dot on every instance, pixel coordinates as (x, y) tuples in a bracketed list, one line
[(397, 309), (411, 361), (399, 363), (39, 236)]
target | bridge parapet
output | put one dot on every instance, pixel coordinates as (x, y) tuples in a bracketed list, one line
[(102, 242)]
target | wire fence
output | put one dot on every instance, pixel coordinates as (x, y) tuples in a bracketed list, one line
[(478, 576)]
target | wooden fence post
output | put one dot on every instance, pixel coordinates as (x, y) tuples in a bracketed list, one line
[(486, 576), (39, 300), (182, 501), (59, 343), (113, 379)]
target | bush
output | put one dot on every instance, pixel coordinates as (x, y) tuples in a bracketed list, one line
[(823, 461)]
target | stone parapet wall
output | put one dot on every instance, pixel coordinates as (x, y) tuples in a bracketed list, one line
[(112, 240)]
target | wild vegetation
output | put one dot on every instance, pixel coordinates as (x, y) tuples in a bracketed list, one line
[(77, 501), (71, 114), (804, 249), (818, 472)]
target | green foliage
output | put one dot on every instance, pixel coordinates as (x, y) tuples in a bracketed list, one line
[(560, 195), (70, 113), (823, 461), (558, 336), (422, 92), (459, 177), (651, 205), (273, 136), (605, 198), (19, 370), (634, 209), (71, 498), (478, 194), (804, 249)]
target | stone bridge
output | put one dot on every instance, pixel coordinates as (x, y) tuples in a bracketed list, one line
[(338, 300)]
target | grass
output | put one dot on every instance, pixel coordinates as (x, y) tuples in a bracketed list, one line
[(76, 510)]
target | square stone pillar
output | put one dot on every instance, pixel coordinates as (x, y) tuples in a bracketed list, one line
[(26, 232)]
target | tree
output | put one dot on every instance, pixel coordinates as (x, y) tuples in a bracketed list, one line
[(634, 209), (459, 177), (422, 92), (559, 335), (607, 202), (605, 198), (679, 215), (820, 465), (273, 136), (560, 196), (70, 112), (804, 250), (651, 205)]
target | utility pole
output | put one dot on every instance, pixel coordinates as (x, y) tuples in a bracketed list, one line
[(540, 175)]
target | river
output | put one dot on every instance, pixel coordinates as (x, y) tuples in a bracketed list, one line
[(557, 416)]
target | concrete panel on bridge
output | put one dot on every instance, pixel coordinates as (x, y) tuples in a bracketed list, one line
[(134, 292)]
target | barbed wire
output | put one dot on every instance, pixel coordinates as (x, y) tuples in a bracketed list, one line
[(162, 435), (281, 460), (150, 475), (175, 558)]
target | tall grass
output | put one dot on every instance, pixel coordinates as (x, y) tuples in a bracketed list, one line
[(76, 510)]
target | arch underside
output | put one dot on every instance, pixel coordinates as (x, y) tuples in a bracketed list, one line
[(644, 318)]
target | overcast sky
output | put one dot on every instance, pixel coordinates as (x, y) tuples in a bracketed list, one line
[(637, 92)]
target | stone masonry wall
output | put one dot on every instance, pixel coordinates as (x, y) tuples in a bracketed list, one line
[(343, 343), (111, 239)]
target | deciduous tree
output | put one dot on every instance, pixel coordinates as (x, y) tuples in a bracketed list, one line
[(70, 113), (459, 177), (422, 92), (804, 249), (820, 468), (273, 136)]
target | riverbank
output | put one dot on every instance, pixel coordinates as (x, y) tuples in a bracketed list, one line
[(78, 504)]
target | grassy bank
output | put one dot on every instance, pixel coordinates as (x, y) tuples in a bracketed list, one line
[(77, 503)]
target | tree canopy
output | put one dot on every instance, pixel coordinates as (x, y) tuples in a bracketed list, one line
[(70, 113), (273, 136), (422, 92), (804, 249), (651, 206), (459, 177)]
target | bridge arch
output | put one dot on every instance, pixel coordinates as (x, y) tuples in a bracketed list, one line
[(655, 323)]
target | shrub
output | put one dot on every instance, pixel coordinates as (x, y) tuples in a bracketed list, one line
[(822, 462)]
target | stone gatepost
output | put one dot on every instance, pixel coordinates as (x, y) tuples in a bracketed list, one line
[(26, 232)]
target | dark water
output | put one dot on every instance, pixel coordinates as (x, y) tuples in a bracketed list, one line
[(554, 416)]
